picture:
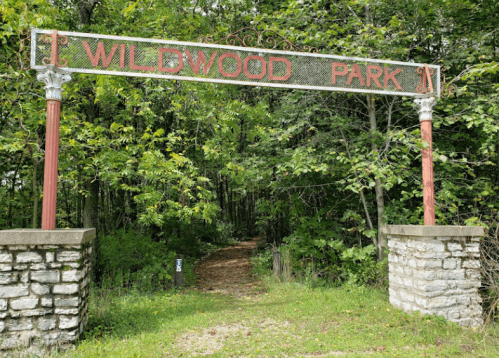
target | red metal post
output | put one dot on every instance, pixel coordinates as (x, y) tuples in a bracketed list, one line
[(54, 78), (428, 188), (425, 116), (51, 162)]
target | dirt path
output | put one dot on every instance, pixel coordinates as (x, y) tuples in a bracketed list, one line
[(228, 270)]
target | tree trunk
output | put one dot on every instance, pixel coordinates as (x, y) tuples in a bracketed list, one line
[(78, 201), (85, 10), (277, 263), (229, 204), (236, 215), (363, 198), (380, 203), (78, 210), (103, 216), (221, 196), (34, 221), (13, 193), (90, 220)]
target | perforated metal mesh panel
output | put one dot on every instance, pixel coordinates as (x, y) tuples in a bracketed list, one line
[(89, 53)]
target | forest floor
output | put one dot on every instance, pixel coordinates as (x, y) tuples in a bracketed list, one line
[(229, 271), (233, 313)]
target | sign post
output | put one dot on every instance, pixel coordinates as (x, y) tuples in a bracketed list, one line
[(425, 104), (178, 278), (54, 78)]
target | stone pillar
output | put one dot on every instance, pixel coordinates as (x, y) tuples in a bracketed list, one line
[(44, 282), (436, 270), (54, 78)]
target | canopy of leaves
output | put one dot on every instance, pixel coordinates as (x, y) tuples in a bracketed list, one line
[(189, 161)]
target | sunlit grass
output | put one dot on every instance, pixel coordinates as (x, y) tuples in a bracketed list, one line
[(291, 320)]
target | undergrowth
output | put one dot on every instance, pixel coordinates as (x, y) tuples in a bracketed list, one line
[(133, 259), (291, 320), (338, 265)]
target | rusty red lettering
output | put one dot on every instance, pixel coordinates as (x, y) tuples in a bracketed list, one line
[(122, 56), (355, 73), (264, 67), (162, 50), (373, 76), (344, 72), (220, 65), (391, 76), (271, 68), (133, 66), (200, 61), (100, 53)]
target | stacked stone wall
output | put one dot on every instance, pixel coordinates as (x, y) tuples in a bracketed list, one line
[(43, 294), (437, 275)]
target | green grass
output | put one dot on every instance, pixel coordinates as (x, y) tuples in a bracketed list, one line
[(291, 320)]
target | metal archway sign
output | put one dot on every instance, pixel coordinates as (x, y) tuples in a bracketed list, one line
[(57, 54), (216, 63)]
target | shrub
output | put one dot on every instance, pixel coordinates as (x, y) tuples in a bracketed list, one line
[(489, 262), (132, 258), (262, 262), (331, 260)]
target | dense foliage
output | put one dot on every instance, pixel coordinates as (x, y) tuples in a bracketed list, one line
[(184, 164)]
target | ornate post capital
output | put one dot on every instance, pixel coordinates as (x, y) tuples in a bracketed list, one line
[(54, 78), (425, 105)]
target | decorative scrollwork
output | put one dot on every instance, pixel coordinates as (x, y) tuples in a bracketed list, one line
[(266, 39), (446, 89), (46, 60), (55, 40), (426, 85), (23, 54)]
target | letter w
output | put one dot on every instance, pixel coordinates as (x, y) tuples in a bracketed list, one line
[(100, 53), (200, 60)]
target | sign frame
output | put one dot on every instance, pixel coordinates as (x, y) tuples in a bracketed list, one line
[(169, 76)]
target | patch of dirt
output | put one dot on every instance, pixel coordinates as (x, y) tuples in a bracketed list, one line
[(213, 339), (228, 270), (209, 341), (324, 354)]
